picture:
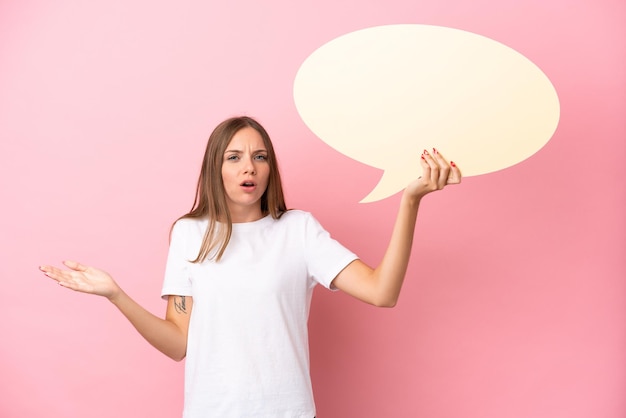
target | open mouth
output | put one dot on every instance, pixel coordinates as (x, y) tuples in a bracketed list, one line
[(248, 184)]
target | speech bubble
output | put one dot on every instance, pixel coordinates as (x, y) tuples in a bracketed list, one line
[(382, 95)]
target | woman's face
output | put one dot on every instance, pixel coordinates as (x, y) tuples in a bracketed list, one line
[(245, 173)]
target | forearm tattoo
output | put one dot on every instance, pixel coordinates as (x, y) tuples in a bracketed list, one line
[(180, 304)]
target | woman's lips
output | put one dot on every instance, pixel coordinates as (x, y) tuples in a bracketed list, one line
[(248, 186)]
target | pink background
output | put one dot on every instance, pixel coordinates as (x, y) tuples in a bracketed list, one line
[(515, 300)]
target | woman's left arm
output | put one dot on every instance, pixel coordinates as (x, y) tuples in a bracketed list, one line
[(381, 286)]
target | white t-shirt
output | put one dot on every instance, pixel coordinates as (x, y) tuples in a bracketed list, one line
[(247, 349)]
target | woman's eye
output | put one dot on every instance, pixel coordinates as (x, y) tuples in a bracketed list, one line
[(261, 157), (232, 157)]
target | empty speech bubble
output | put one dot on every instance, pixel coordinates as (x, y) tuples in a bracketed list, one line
[(382, 95)]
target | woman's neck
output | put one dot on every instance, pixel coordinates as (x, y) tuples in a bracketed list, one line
[(244, 215)]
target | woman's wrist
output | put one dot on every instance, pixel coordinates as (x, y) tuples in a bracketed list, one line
[(412, 198)]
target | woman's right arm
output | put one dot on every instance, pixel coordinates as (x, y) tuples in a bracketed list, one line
[(168, 335)]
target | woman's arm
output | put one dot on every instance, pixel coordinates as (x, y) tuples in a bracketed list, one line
[(168, 335), (381, 286)]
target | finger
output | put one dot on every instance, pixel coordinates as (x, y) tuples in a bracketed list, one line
[(73, 285), (455, 175), (425, 168), (49, 271), (426, 171), (54, 273), (74, 265), (62, 277), (444, 169), (434, 168)]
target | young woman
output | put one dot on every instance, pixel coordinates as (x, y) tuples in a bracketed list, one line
[(240, 275)]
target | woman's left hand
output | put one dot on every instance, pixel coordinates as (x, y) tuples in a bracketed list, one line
[(437, 173)]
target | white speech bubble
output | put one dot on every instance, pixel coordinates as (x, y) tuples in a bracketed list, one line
[(382, 95)]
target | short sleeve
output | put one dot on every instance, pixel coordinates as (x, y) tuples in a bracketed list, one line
[(177, 272), (325, 257)]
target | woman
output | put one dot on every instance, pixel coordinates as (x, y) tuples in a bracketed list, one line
[(240, 275)]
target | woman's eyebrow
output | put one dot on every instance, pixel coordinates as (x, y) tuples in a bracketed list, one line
[(241, 152)]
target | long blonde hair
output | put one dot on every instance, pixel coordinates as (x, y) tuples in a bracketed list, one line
[(210, 199)]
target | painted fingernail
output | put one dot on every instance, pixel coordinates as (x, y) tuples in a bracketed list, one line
[(435, 151), (452, 164), (423, 157), (425, 152)]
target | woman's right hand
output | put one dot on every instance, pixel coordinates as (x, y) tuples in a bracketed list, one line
[(83, 279)]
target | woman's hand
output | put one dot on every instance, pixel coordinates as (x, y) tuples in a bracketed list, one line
[(83, 279), (437, 173)]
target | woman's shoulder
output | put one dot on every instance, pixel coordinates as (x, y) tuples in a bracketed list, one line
[(300, 218), (296, 215), (188, 225)]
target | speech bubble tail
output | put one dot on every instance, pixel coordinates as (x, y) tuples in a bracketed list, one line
[(388, 185)]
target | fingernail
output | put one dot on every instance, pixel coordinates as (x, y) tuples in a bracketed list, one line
[(452, 164), (435, 151), (423, 157), (425, 152)]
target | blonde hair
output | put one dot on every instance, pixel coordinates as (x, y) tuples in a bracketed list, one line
[(210, 199)]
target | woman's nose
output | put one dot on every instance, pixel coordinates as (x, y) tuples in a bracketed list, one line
[(249, 168)]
